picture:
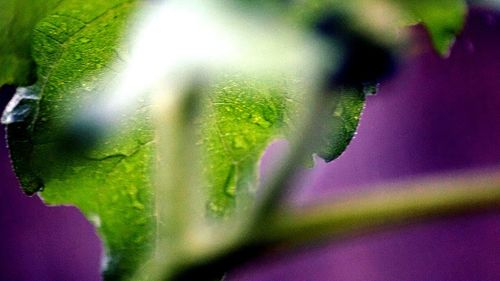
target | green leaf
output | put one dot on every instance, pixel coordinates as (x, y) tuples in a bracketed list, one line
[(444, 19), (17, 20), (343, 124), (243, 117), (77, 48)]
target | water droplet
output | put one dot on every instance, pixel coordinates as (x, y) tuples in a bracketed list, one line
[(132, 192), (20, 106), (216, 208), (137, 205), (260, 121), (338, 111), (76, 169), (271, 114), (240, 142), (230, 184), (84, 40), (139, 239), (231, 190)]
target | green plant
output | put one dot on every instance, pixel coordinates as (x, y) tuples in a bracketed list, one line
[(169, 178)]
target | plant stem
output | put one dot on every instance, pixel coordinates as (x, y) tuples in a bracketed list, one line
[(387, 207), (410, 203), (178, 207), (302, 146)]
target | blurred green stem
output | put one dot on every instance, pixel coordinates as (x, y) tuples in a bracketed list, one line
[(388, 207), (181, 230), (301, 147)]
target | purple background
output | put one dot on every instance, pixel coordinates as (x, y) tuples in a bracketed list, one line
[(436, 116)]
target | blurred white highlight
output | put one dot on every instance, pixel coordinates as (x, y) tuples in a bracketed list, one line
[(179, 39)]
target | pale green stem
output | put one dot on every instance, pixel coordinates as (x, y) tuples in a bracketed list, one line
[(179, 208), (305, 140), (387, 207)]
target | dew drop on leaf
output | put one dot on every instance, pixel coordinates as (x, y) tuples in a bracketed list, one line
[(240, 142), (260, 121), (84, 40), (230, 184)]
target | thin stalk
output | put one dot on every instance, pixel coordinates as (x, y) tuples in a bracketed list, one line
[(387, 208), (306, 139), (179, 209)]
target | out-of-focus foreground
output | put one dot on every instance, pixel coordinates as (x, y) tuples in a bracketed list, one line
[(436, 116)]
